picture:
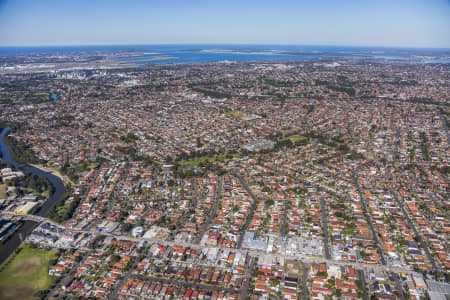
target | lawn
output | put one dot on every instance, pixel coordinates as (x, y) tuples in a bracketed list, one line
[(26, 274), (297, 138)]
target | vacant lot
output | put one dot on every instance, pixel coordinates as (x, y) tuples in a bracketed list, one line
[(26, 274)]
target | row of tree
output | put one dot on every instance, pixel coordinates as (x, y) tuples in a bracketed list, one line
[(21, 152)]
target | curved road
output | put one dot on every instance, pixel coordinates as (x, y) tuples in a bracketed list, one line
[(13, 242)]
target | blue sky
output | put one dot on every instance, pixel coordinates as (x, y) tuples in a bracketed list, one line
[(403, 23)]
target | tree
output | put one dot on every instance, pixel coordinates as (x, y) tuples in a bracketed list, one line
[(268, 203), (126, 227), (114, 258)]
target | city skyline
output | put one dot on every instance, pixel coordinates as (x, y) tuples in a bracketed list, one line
[(415, 24)]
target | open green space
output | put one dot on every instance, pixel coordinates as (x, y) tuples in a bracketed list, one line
[(63, 210), (26, 273), (3, 189), (297, 138), (82, 165), (237, 114), (42, 96)]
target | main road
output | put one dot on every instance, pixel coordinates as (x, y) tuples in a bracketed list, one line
[(253, 253), (252, 208), (58, 190), (368, 216)]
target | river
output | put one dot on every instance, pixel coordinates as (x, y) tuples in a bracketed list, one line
[(59, 189)]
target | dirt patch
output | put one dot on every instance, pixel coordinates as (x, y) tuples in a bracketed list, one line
[(8, 292), (27, 266)]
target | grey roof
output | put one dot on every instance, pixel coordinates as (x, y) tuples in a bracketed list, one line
[(438, 286)]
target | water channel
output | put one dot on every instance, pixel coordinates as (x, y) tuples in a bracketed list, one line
[(58, 190)]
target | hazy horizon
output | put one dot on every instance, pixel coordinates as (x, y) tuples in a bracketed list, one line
[(223, 44), (398, 24)]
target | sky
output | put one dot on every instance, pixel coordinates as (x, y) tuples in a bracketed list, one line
[(390, 23)]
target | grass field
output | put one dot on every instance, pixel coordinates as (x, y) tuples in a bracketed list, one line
[(42, 96), (3, 189), (297, 138), (237, 114), (26, 274)]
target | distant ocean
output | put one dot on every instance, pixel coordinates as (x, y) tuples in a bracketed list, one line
[(155, 54)]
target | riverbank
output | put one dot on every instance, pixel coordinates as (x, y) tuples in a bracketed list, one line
[(57, 195), (20, 152), (55, 172), (27, 156)]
